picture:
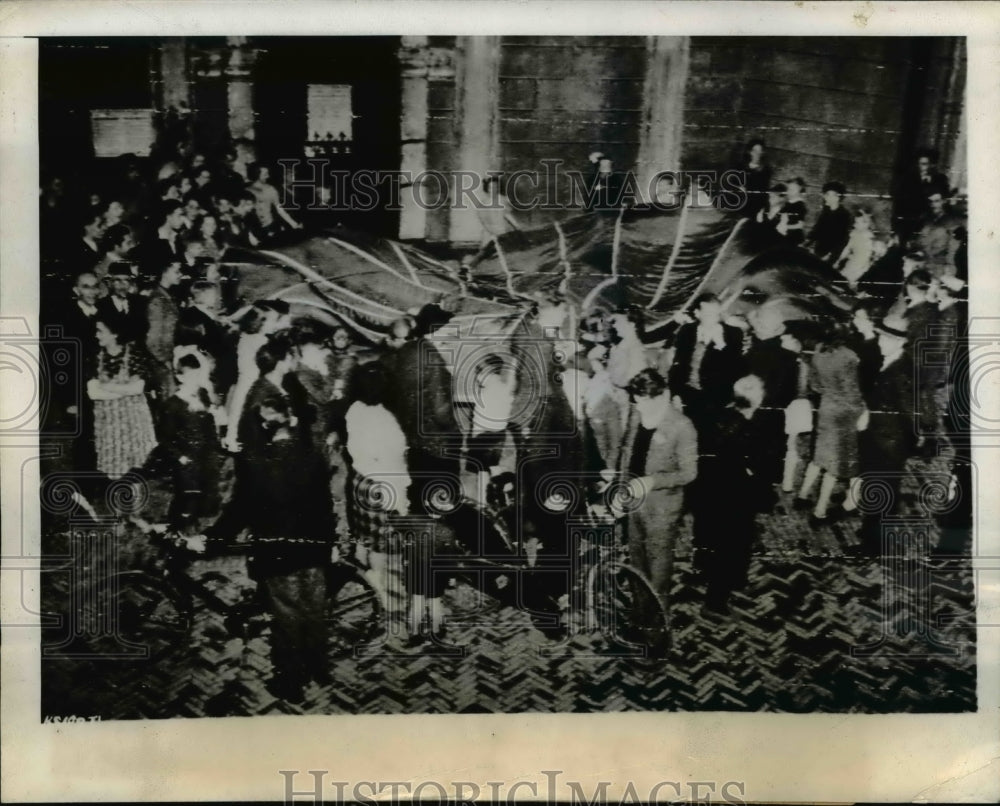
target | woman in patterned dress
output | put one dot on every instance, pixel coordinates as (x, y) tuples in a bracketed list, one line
[(123, 425)]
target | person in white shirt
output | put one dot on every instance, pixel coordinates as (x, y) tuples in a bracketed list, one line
[(495, 385)]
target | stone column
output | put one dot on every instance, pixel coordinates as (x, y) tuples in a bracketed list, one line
[(173, 73), (413, 131), (958, 164), (477, 77), (239, 88), (951, 128), (662, 125)]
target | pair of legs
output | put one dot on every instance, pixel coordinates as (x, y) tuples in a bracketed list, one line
[(652, 534), (827, 482), (726, 569), (424, 589), (297, 600), (932, 402), (793, 458)]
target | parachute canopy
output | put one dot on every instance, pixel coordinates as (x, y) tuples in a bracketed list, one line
[(655, 259)]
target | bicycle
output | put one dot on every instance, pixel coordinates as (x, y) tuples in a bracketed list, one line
[(606, 593), (146, 614)]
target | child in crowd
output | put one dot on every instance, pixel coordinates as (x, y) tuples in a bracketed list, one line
[(856, 258)]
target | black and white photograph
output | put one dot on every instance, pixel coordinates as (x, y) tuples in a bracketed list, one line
[(497, 374), (489, 373)]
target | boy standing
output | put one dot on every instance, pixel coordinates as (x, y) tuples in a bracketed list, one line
[(832, 229)]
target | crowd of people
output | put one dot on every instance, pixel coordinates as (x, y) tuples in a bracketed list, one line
[(708, 414)]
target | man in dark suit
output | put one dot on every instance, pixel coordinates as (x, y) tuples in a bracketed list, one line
[(923, 336), (832, 229), (121, 308), (163, 246), (85, 253), (889, 438), (913, 190), (708, 358), (80, 316), (774, 358), (198, 325)]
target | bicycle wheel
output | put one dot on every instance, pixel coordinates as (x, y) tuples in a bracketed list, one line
[(625, 608), (353, 609)]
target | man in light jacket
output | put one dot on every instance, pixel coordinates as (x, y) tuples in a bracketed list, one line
[(659, 459)]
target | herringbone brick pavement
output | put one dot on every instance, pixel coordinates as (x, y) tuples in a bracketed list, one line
[(815, 631)]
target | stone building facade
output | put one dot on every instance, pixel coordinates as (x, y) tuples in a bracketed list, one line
[(853, 109)]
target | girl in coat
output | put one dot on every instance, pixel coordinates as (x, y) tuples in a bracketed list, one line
[(836, 379)]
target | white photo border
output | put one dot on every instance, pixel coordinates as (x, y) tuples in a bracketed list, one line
[(827, 757)]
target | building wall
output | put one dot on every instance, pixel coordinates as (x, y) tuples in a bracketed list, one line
[(829, 108), (852, 109), (562, 98)]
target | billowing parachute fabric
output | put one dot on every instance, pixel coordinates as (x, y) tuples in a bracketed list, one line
[(366, 282), (637, 245), (658, 260), (807, 287), (654, 259)]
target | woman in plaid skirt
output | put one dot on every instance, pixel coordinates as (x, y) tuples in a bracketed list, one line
[(377, 482)]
